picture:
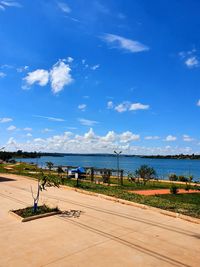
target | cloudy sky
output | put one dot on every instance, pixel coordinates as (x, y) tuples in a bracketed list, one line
[(96, 75)]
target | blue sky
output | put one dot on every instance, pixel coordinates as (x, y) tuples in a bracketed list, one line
[(94, 76)]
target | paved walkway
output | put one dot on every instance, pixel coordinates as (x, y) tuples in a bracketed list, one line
[(105, 234)]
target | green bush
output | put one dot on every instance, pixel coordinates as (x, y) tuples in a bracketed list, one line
[(173, 189), (187, 187), (145, 173), (182, 178), (173, 177)]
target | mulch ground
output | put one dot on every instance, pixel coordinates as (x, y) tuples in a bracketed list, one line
[(161, 192)]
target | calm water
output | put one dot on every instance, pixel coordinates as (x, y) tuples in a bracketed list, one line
[(163, 167)]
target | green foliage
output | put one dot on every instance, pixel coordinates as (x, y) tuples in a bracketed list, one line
[(49, 180), (49, 165), (182, 178), (28, 212), (5, 156), (146, 173), (59, 170), (187, 204), (187, 187), (173, 177), (174, 189), (106, 176), (190, 178)]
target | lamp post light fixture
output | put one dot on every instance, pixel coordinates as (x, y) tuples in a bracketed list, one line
[(117, 155)]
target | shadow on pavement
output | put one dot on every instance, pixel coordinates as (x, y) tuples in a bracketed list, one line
[(71, 213), (3, 179)]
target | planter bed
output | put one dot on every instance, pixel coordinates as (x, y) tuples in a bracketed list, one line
[(27, 214)]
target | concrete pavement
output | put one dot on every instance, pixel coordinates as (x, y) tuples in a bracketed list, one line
[(105, 233)]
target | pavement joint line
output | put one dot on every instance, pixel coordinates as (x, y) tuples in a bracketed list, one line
[(138, 205), (129, 244), (70, 240), (126, 202), (97, 244), (115, 214)]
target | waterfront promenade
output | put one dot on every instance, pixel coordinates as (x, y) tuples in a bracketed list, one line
[(100, 233)]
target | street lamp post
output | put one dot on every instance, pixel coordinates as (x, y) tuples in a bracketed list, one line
[(117, 155)]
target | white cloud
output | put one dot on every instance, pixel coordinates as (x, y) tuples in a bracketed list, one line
[(87, 122), (100, 7), (138, 106), (187, 138), (5, 4), (4, 120), (71, 128), (128, 137), (39, 140), (122, 107), (110, 105), (190, 58), (152, 137), (2, 74), (29, 135), (11, 128), (49, 118), (83, 61), (95, 67), (127, 106), (170, 138), (70, 59), (198, 103), (64, 7), (90, 135), (192, 62), (60, 76), (82, 107), (124, 43), (22, 69), (28, 129), (39, 76), (46, 130), (111, 136), (90, 142)]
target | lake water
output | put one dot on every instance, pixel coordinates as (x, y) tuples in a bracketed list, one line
[(163, 167)]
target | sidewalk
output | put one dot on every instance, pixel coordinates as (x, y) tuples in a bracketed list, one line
[(105, 234)]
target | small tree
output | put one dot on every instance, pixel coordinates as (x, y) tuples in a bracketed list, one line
[(173, 189), (106, 176), (173, 177), (43, 182), (59, 170), (146, 173), (49, 165)]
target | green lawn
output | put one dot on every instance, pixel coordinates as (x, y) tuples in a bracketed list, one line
[(188, 204)]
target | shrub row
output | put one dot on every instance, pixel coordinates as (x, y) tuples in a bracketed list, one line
[(180, 178)]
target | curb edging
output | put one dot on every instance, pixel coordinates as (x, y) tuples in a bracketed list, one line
[(35, 217), (137, 205)]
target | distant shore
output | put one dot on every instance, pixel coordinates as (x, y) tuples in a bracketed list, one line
[(4, 155)]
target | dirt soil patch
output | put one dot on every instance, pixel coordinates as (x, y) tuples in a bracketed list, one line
[(161, 192)]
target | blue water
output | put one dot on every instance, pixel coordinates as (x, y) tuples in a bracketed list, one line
[(163, 167)]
